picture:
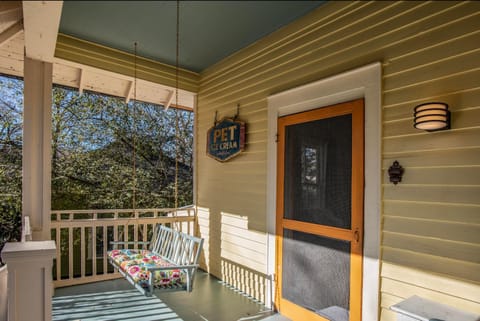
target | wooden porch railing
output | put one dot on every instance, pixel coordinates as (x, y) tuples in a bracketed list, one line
[(83, 238)]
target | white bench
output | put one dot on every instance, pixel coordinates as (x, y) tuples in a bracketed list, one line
[(170, 262)]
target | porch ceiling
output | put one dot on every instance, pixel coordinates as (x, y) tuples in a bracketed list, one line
[(209, 30)]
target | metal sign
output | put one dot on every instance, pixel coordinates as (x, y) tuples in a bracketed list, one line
[(226, 139)]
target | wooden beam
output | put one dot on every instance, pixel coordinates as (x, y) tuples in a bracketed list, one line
[(88, 53), (183, 95), (169, 99), (6, 6), (11, 32), (37, 137), (81, 81), (129, 94), (41, 20)]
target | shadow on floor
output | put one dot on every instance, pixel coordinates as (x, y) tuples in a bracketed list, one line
[(117, 300)]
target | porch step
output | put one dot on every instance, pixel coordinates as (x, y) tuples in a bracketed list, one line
[(276, 317), (334, 313)]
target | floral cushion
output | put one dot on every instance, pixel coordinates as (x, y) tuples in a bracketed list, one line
[(136, 263)]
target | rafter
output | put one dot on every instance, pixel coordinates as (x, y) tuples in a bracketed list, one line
[(81, 81), (11, 32), (169, 99), (129, 94), (8, 6)]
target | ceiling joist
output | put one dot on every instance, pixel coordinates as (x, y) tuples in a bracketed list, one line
[(169, 99), (11, 32), (129, 94), (81, 80), (185, 98), (8, 6)]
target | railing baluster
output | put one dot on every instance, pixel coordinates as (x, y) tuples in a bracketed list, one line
[(115, 234), (59, 255), (135, 235), (82, 251), (94, 250), (105, 244), (125, 234), (144, 232), (70, 252), (188, 223)]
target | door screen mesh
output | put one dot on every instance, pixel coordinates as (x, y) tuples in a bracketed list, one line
[(318, 166), (316, 271)]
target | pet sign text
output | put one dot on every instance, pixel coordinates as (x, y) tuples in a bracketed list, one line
[(226, 139)]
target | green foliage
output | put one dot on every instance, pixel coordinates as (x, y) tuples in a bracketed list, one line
[(10, 221), (11, 107), (96, 140)]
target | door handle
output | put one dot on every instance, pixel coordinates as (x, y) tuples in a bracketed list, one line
[(356, 236)]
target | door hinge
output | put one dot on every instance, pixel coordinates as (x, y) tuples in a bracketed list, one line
[(276, 138)]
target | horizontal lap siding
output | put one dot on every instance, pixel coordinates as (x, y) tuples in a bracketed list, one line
[(429, 52), (243, 253), (431, 220)]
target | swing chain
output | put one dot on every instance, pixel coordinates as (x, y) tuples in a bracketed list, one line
[(176, 103), (134, 132)]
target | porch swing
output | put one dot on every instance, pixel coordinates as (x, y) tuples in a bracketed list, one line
[(171, 260)]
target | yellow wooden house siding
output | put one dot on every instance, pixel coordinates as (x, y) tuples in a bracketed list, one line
[(431, 221)]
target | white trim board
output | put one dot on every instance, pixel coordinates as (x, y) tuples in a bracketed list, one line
[(41, 23), (363, 82)]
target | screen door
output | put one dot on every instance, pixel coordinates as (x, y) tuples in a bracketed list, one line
[(320, 213)]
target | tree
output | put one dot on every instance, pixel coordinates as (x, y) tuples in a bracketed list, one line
[(105, 152), (11, 108), (96, 140)]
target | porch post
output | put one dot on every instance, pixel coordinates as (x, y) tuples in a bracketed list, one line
[(29, 280), (37, 120)]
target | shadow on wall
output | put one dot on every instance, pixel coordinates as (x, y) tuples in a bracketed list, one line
[(248, 281), (203, 231), (233, 253)]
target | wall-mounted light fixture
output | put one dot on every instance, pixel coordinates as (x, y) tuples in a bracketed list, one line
[(432, 117), (395, 172)]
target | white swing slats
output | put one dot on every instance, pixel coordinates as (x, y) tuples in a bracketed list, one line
[(180, 250)]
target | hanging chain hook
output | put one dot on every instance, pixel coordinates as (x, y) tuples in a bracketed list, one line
[(238, 112)]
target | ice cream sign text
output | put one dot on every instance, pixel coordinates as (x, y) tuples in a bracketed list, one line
[(226, 139)]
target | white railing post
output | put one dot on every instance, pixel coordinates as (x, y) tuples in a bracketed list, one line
[(29, 267)]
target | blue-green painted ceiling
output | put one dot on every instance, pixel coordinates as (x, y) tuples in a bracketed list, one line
[(209, 30)]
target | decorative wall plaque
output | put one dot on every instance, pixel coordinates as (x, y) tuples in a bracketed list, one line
[(226, 139)]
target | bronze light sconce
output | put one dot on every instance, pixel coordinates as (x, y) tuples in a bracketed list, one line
[(395, 173)]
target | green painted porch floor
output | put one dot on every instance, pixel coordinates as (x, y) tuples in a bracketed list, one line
[(117, 300)]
